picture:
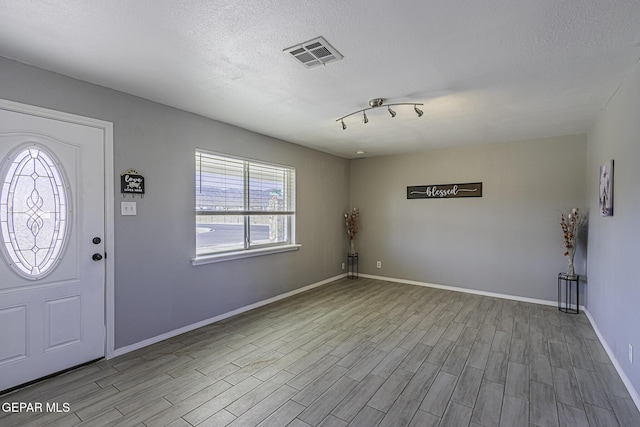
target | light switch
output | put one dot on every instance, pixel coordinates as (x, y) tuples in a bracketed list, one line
[(128, 208)]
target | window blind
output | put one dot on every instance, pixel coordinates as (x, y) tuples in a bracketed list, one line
[(228, 185)]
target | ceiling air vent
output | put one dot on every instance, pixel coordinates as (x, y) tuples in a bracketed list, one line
[(314, 52)]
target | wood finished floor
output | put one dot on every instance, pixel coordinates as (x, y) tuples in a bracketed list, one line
[(355, 352)]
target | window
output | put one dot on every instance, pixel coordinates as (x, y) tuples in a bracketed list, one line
[(33, 212), (242, 204)]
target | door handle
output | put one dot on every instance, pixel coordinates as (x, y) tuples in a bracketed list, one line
[(96, 257)]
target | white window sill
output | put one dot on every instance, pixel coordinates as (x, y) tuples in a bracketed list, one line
[(228, 256)]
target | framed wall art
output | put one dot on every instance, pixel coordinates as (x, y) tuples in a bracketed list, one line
[(605, 200), (444, 191)]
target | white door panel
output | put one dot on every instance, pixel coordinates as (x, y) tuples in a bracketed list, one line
[(55, 320)]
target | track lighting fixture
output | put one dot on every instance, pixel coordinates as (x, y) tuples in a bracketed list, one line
[(375, 103)]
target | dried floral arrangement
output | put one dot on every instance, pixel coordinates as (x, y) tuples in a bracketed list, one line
[(352, 222), (571, 225)]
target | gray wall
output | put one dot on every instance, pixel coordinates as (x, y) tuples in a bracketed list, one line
[(509, 241), (614, 281), (157, 289)]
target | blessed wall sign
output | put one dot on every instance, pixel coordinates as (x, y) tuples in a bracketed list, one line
[(444, 191)]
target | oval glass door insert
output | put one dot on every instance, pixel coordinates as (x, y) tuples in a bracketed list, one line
[(34, 210)]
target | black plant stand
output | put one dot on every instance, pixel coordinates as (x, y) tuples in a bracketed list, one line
[(352, 265), (568, 282)]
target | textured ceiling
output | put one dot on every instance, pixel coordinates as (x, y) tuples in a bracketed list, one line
[(486, 71)]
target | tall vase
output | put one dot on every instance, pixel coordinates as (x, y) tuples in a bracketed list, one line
[(352, 247), (571, 272)]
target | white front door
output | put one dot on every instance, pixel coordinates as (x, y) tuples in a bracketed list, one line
[(52, 229)]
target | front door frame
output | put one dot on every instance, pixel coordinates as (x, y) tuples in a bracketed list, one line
[(109, 201)]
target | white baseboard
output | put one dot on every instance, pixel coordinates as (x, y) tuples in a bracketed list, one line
[(465, 290), (627, 383), (123, 350)]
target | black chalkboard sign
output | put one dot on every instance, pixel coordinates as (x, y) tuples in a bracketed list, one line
[(131, 182)]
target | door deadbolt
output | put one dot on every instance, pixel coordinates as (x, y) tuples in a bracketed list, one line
[(96, 240)]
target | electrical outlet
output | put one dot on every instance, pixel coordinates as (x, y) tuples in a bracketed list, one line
[(630, 353), (378, 264), (343, 265)]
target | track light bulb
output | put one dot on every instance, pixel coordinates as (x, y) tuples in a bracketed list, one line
[(366, 119), (344, 127), (393, 113), (418, 111)]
